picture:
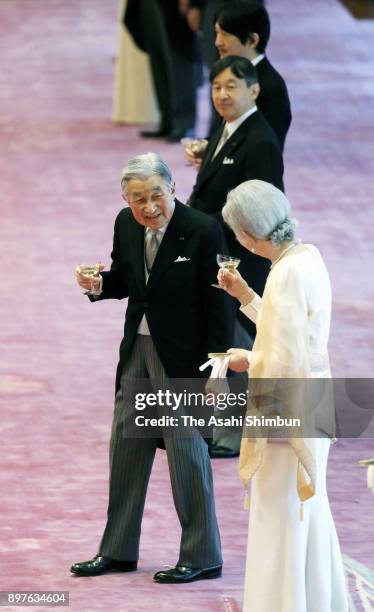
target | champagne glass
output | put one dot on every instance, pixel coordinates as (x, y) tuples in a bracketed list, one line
[(186, 142), (226, 262), (194, 146), (90, 272), (198, 147)]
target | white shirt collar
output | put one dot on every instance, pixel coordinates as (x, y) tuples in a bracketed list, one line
[(159, 229), (233, 125), (258, 59)]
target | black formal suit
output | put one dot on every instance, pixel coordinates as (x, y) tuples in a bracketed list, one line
[(159, 29), (186, 317), (255, 153), (138, 14), (273, 100)]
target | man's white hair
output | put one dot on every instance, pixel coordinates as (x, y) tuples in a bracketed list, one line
[(142, 167)]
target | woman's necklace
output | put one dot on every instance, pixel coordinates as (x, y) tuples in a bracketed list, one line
[(293, 244)]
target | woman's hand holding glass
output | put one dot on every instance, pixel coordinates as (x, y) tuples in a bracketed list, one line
[(235, 285)]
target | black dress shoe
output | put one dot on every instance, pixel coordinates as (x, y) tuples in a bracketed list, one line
[(162, 132), (100, 565), (221, 452), (181, 574)]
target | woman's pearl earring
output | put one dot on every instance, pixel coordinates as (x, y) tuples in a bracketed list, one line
[(252, 250)]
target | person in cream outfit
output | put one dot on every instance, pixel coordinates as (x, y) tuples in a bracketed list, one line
[(293, 562), (133, 93)]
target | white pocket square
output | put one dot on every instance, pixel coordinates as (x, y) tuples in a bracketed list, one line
[(228, 160), (181, 259)]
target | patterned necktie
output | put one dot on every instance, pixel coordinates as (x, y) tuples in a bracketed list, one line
[(222, 140), (152, 242)]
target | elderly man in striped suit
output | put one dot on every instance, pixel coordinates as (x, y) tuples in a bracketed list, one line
[(164, 261)]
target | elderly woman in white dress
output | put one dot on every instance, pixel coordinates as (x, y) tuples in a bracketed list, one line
[(293, 559)]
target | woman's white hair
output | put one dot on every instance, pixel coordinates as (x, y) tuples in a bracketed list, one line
[(260, 209)]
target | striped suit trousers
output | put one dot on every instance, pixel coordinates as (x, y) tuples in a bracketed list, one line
[(131, 462)]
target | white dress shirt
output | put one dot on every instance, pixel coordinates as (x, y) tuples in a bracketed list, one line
[(234, 125), (257, 59), (230, 128)]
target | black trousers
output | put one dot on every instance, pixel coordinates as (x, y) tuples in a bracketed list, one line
[(174, 75)]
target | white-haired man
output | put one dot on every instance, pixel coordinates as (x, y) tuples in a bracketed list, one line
[(164, 262)]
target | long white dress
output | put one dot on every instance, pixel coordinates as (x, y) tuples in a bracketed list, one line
[(292, 565)]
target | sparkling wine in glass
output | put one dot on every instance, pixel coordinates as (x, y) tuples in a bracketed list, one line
[(90, 272), (227, 262)]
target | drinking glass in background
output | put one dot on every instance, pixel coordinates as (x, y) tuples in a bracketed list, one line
[(226, 262), (194, 149)]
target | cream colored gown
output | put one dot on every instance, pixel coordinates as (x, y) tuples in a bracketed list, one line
[(133, 93), (292, 565)]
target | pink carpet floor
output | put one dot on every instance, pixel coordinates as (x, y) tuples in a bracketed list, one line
[(60, 162)]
